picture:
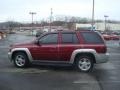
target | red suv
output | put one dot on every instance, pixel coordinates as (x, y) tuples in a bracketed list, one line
[(79, 48)]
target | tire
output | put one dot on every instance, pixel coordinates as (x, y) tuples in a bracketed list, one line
[(84, 63), (20, 60)]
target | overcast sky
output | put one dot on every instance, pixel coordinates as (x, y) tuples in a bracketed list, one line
[(18, 10)]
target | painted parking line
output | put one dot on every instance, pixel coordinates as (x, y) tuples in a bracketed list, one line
[(11, 70), (88, 82), (94, 82)]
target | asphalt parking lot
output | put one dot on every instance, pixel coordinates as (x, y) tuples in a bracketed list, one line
[(104, 76)]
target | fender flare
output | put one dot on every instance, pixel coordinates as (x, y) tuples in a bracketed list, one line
[(26, 50), (80, 51)]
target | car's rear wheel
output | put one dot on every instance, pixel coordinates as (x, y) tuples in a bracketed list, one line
[(20, 60), (84, 63)]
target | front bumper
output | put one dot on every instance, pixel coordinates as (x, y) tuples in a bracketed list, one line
[(102, 58), (10, 56)]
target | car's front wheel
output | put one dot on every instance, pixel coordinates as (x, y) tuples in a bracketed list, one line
[(20, 60), (84, 63)]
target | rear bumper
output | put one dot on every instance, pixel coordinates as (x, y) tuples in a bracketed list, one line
[(102, 58)]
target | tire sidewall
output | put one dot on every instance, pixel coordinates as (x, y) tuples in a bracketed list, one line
[(23, 55), (79, 58)]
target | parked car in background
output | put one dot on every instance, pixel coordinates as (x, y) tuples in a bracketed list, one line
[(111, 37), (106, 37), (114, 37), (39, 33), (82, 49)]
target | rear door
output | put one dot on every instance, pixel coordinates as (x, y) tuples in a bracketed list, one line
[(69, 42)]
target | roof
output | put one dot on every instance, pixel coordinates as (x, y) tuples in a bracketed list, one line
[(70, 31)]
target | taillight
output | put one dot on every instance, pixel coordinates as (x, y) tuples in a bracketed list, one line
[(102, 49)]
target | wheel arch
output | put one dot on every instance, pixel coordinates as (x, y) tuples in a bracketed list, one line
[(24, 50), (88, 52)]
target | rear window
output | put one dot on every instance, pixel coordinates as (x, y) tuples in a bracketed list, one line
[(69, 38), (90, 37)]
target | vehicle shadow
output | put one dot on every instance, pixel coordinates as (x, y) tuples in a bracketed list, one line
[(53, 68)]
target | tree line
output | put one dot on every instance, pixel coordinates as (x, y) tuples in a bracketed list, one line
[(67, 21)]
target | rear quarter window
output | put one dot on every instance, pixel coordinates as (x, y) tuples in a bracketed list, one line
[(92, 37)]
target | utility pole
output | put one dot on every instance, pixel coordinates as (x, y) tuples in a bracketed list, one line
[(93, 13), (105, 21), (32, 14), (51, 13)]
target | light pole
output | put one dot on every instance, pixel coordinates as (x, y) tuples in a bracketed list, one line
[(93, 13), (32, 14), (105, 21), (51, 13)]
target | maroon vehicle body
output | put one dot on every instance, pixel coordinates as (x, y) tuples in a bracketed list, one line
[(60, 51)]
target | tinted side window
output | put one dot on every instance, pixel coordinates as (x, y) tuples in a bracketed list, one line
[(49, 39), (91, 37), (69, 38)]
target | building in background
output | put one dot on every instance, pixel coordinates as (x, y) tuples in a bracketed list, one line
[(86, 26), (99, 26)]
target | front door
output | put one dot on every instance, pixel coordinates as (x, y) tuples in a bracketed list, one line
[(47, 49)]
